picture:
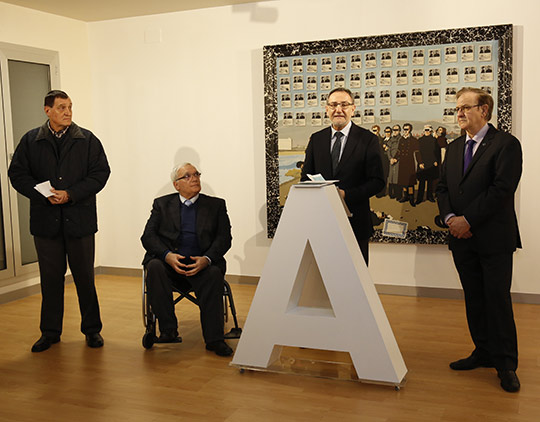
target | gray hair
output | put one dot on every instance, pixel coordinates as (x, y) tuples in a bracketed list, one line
[(177, 167), (345, 90)]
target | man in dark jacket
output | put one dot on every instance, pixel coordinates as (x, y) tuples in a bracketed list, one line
[(351, 155), (479, 178), (407, 147), (429, 160), (186, 238), (63, 224)]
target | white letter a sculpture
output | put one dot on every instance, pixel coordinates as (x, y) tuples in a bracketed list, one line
[(314, 245)]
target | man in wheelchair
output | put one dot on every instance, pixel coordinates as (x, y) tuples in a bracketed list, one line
[(186, 238)]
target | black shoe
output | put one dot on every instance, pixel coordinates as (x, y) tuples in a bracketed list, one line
[(403, 199), (419, 201), (509, 380), (94, 340), (411, 201), (472, 362), (169, 337), (220, 348), (44, 343), (431, 199)]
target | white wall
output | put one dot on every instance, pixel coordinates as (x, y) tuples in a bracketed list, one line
[(27, 27), (198, 96)]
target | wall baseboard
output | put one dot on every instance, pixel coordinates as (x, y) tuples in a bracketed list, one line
[(126, 272), (242, 279), (385, 289), (20, 293)]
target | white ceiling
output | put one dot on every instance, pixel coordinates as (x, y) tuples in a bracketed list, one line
[(97, 10)]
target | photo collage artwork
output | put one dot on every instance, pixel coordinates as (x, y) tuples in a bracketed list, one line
[(383, 81)]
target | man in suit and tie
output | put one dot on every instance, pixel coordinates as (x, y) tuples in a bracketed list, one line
[(350, 154), (475, 194), (186, 238)]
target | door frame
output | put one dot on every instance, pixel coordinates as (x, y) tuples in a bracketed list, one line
[(14, 266)]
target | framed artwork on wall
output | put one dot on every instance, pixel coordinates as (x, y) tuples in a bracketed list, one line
[(397, 80)]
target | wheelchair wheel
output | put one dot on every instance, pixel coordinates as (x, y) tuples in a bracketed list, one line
[(148, 340)]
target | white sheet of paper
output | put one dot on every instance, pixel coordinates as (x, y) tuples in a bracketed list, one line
[(44, 188), (319, 178), (311, 184), (316, 177)]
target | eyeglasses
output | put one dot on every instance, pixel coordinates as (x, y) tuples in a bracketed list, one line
[(466, 109), (187, 177), (395, 130), (406, 128), (343, 106)]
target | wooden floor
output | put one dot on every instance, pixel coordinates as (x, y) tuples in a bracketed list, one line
[(183, 382)]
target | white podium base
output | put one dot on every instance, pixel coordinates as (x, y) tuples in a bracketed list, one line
[(326, 364), (315, 292)]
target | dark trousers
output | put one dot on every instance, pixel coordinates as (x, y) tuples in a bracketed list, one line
[(422, 182), (486, 281), (364, 248), (395, 191), (208, 287), (52, 254), (363, 243)]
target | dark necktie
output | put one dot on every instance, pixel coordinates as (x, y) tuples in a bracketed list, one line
[(336, 149), (468, 155)]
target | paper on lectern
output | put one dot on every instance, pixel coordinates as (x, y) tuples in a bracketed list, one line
[(317, 181)]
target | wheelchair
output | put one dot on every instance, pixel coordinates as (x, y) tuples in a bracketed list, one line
[(150, 320)]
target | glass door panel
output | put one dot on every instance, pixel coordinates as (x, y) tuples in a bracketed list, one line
[(3, 257), (28, 85), (6, 241), (26, 75)]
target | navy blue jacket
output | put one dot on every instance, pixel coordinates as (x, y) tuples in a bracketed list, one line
[(484, 195)]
